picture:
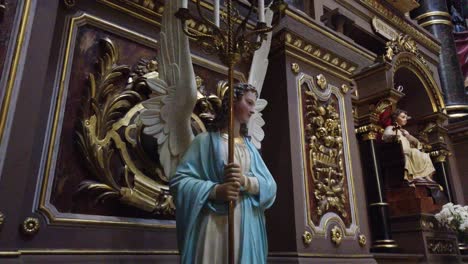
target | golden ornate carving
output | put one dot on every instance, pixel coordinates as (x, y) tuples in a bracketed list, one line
[(2, 219), (403, 43), (362, 240), (324, 137), (295, 68), (336, 235), (441, 246), (345, 88), (307, 238), (440, 155), (402, 25), (324, 56), (321, 81), (30, 226), (111, 112), (404, 6), (369, 136)]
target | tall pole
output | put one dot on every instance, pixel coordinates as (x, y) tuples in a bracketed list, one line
[(231, 123)]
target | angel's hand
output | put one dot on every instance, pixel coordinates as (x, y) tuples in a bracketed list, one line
[(228, 191), (232, 173)]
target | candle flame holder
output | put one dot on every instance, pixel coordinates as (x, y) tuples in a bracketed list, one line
[(231, 40)]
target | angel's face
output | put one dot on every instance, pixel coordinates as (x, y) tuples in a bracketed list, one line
[(245, 107)]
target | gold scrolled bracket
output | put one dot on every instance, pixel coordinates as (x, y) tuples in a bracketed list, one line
[(2, 219), (307, 238), (369, 136), (369, 132), (336, 235), (362, 240), (30, 226), (295, 68), (321, 81)]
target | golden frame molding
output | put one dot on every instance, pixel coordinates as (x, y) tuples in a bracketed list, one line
[(329, 218), (324, 56), (11, 77)]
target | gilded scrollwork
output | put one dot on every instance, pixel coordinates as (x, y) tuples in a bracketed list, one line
[(109, 137), (324, 137), (441, 246), (403, 43)]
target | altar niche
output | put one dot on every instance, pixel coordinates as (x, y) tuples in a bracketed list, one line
[(404, 80)]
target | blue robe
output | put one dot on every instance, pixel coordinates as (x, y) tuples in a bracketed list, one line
[(199, 171)]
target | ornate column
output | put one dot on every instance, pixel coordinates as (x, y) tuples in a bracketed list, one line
[(378, 207), (434, 16)]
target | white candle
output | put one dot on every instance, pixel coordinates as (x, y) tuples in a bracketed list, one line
[(184, 4), (261, 10), (216, 12)]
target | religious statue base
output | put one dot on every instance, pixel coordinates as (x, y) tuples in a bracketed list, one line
[(410, 200), (421, 234)]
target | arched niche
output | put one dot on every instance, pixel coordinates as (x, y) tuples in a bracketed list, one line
[(422, 94)]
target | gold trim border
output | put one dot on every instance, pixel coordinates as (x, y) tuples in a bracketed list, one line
[(14, 67), (437, 22), (130, 12), (48, 251), (433, 13), (318, 255)]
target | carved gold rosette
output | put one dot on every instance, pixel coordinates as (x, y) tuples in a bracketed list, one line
[(329, 186)]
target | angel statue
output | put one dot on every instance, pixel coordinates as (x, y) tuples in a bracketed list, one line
[(200, 179), (418, 165)]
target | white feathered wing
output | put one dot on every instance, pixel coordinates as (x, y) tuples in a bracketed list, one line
[(167, 115), (256, 78)]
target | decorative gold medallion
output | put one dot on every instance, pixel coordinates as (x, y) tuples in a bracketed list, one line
[(362, 240), (345, 88), (307, 238), (30, 226), (321, 81), (336, 235), (295, 68)]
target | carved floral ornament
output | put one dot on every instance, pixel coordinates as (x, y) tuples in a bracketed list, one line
[(329, 195), (403, 43), (30, 226), (336, 235)]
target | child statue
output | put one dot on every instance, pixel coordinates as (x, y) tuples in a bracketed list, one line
[(418, 165)]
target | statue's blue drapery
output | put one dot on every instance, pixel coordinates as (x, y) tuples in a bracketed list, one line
[(198, 172)]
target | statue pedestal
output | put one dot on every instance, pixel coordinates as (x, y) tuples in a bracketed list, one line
[(414, 227), (411, 200)]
